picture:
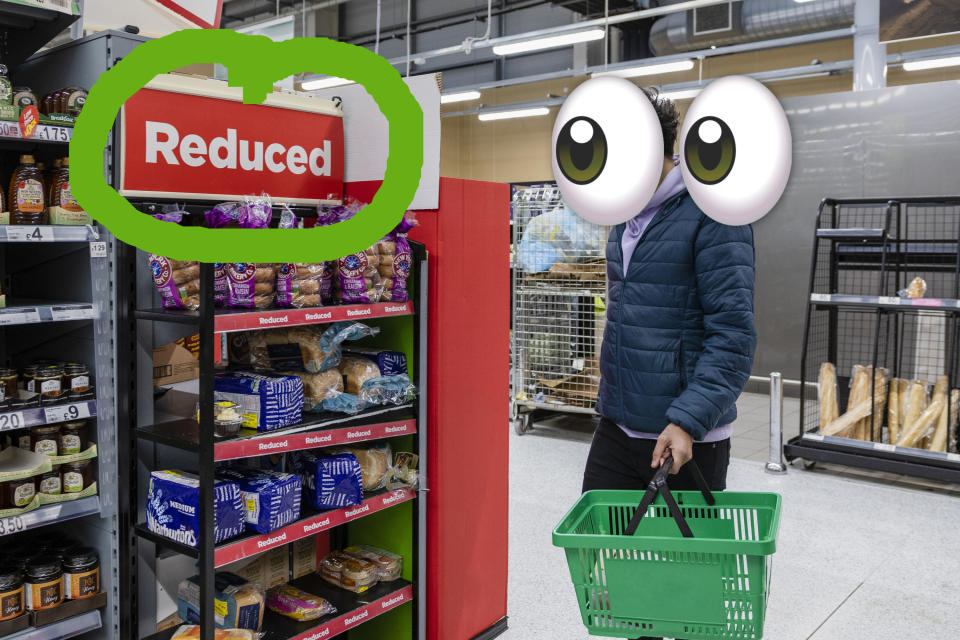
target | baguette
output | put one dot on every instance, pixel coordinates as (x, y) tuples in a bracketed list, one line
[(875, 422), (893, 411), (938, 441), (904, 392), (860, 391), (914, 405), (829, 410), (849, 420), (954, 419), (922, 425)]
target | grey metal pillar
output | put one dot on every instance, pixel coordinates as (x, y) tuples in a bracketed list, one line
[(869, 56), (776, 462)]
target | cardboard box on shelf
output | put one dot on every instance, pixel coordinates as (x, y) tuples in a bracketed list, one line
[(267, 569), (174, 363), (304, 557)]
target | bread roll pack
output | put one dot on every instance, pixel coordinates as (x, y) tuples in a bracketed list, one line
[(177, 281), (395, 261)]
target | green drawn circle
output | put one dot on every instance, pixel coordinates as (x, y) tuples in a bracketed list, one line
[(254, 63)]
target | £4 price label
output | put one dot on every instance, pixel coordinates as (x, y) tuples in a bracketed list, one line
[(29, 234)]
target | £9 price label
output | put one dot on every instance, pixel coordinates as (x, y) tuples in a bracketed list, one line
[(68, 412)]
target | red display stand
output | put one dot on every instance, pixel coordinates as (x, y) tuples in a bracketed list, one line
[(468, 413)]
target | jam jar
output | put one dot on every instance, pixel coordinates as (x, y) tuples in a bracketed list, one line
[(76, 378), (44, 582), (27, 375), (18, 493), (48, 382), (81, 573), (72, 438), (8, 384), (45, 439), (76, 476), (50, 482), (11, 592)]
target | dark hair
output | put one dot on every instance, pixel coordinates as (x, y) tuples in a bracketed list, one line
[(669, 118)]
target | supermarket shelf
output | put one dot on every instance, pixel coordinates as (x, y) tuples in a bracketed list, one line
[(353, 610), (50, 514), (240, 548), (47, 233), (10, 420), (321, 430), (43, 134), (874, 455), (850, 234), (25, 27), (67, 628), (884, 302), (38, 313), (228, 320), (312, 523)]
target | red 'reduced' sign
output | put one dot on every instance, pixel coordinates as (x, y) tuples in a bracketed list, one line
[(185, 146)]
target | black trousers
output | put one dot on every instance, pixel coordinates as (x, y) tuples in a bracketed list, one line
[(617, 461)]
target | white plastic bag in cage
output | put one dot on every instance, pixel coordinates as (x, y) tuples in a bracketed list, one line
[(559, 236)]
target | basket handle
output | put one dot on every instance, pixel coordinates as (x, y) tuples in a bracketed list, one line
[(658, 484)]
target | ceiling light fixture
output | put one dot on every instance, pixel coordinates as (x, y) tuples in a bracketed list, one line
[(931, 63), (647, 70), (682, 94), (460, 96), (513, 113), (551, 42), (324, 83)]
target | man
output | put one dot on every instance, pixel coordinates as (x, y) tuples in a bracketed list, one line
[(679, 340)]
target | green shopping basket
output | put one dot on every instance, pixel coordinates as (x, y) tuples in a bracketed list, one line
[(686, 564)]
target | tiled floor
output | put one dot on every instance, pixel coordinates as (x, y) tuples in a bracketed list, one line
[(857, 556)]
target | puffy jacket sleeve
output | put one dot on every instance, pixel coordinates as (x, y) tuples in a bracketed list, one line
[(724, 267)]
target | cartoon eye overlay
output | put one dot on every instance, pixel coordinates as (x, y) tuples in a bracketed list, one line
[(607, 150), (736, 150)]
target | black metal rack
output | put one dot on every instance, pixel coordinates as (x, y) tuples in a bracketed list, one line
[(185, 439), (866, 253)]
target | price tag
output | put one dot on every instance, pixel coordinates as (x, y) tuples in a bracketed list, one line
[(819, 297), (71, 313), (953, 457), (578, 364), (11, 525), (880, 446), (55, 134), (21, 316), (98, 249), (29, 234), (9, 130), (927, 302), (12, 420), (67, 412), (889, 300), (813, 436)]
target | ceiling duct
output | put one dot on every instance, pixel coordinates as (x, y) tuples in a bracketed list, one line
[(746, 21)]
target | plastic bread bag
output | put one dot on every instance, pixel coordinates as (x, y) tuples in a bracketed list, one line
[(403, 473), (177, 281), (358, 277), (343, 403), (332, 214), (395, 261), (251, 285), (303, 284), (389, 565), (293, 603), (329, 481), (338, 333), (348, 572), (374, 464), (356, 372), (916, 289), (192, 632), (288, 219), (219, 284), (387, 390)]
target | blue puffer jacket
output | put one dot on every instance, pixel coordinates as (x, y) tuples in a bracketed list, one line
[(679, 340)]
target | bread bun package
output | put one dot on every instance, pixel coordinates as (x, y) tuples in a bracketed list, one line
[(348, 572), (389, 565), (358, 277), (192, 632), (240, 603), (177, 281), (395, 261), (250, 285), (303, 284), (318, 387), (219, 284)]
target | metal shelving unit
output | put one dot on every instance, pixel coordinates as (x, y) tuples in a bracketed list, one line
[(186, 443), (59, 286), (865, 252)]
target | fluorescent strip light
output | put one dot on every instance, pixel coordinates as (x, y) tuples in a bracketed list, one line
[(648, 70), (680, 95), (462, 96), (933, 63), (550, 42), (324, 83), (515, 113)]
